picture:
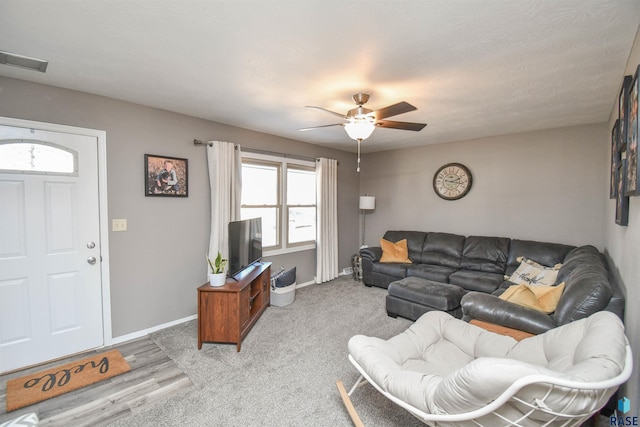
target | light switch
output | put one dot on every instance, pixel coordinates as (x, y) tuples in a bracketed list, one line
[(119, 225)]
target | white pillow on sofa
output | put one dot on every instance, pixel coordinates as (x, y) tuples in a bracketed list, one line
[(531, 273)]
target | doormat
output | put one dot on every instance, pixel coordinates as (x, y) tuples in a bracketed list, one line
[(39, 386)]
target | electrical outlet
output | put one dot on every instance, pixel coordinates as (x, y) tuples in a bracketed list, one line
[(119, 225)]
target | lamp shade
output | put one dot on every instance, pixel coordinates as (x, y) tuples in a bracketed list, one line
[(359, 129), (367, 202)]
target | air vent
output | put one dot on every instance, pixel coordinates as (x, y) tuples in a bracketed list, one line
[(36, 64)]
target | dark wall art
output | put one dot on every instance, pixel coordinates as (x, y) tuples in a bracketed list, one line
[(615, 160), (632, 181)]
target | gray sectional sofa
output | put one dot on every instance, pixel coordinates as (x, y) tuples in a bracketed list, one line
[(478, 265)]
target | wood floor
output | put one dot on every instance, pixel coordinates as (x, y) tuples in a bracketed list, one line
[(153, 376)]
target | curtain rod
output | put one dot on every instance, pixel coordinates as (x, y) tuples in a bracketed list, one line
[(268, 153)]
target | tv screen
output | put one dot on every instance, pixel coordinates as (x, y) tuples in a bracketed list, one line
[(245, 244)]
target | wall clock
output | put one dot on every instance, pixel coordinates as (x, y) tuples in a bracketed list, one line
[(452, 181)]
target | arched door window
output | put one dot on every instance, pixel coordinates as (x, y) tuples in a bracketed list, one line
[(37, 157)]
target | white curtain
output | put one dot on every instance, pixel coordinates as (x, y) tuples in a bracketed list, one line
[(327, 225), (225, 180)]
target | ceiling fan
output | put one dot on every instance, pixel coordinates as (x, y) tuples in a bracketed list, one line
[(360, 121)]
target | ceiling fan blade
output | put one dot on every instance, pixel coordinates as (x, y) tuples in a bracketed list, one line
[(400, 125), (327, 111), (322, 126), (393, 110)]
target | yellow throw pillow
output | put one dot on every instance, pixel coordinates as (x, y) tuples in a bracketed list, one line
[(531, 273), (394, 252), (539, 297)]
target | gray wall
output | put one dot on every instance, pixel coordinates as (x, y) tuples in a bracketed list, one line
[(623, 246), (544, 185), (147, 288)]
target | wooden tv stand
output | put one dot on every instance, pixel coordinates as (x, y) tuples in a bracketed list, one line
[(227, 313)]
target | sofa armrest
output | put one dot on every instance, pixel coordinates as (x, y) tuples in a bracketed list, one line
[(372, 253), (490, 308)]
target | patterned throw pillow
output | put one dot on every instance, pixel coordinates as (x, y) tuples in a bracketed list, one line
[(531, 273), (395, 252)]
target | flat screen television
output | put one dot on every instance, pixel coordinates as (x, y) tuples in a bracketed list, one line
[(245, 244)]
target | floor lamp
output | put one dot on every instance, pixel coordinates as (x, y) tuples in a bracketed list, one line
[(367, 203)]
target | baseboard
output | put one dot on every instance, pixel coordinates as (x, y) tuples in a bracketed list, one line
[(144, 332), (302, 285)]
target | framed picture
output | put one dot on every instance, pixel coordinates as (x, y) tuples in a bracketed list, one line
[(623, 111), (622, 201), (632, 178), (166, 176), (615, 160)]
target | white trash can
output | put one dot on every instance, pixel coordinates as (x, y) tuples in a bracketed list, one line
[(283, 287), (283, 296)]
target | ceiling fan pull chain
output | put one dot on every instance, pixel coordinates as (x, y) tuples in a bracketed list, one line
[(358, 168)]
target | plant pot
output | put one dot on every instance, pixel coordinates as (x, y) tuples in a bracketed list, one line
[(217, 279)]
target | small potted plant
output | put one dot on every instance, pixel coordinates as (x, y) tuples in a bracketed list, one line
[(217, 276)]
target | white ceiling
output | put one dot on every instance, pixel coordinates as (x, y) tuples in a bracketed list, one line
[(473, 68)]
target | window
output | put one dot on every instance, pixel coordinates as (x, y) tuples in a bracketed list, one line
[(301, 205), (37, 157), (283, 193)]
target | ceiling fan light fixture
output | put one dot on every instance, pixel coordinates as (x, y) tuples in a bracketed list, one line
[(360, 129)]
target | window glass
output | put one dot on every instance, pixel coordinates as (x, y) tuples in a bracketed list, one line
[(270, 229), (259, 184), (37, 157), (301, 187), (302, 224)]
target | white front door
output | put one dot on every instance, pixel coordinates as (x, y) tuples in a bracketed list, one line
[(50, 278)]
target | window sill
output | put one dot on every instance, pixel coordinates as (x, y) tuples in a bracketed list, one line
[(289, 250)]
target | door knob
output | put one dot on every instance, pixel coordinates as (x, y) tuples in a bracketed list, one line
[(91, 260), (91, 245)]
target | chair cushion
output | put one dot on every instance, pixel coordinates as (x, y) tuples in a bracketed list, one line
[(30, 419), (442, 365)]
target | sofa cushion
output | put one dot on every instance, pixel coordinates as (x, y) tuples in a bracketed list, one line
[(442, 249), (488, 254), (436, 273), (476, 280), (394, 269), (544, 253), (394, 252), (531, 273), (415, 241)]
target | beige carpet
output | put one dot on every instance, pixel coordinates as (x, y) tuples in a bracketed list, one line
[(285, 374)]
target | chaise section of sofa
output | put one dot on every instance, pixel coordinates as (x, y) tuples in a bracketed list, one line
[(588, 289)]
